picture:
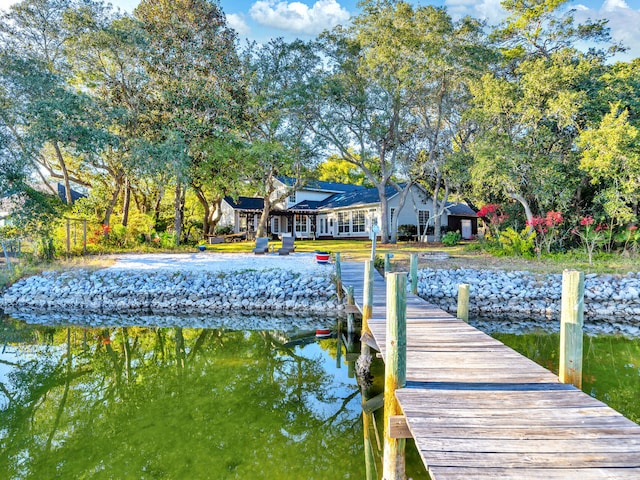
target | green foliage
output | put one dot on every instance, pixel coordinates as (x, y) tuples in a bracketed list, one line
[(516, 243), (407, 231), (224, 229), (451, 239), (378, 262)]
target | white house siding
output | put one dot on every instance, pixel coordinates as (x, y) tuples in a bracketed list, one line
[(229, 217), (415, 201)]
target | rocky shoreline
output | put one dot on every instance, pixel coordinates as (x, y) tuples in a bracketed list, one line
[(608, 298), (174, 292)]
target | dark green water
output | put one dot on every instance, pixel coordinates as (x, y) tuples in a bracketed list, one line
[(174, 403), (611, 365)]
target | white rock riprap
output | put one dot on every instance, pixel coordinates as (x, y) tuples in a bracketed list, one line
[(185, 291), (498, 293)]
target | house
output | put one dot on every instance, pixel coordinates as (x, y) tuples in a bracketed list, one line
[(328, 210)]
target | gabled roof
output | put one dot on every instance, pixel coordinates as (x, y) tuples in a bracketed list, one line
[(307, 205), (321, 186), (460, 210), (62, 193), (362, 196), (245, 203)]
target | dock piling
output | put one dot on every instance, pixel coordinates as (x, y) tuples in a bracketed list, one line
[(414, 273), (571, 323), (395, 373), (367, 300), (339, 277), (387, 262), (463, 302)]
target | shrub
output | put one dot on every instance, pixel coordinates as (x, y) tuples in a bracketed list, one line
[(516, 243), (451, 239), (405, 232), (223, 229)]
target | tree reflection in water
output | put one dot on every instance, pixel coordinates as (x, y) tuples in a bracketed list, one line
[(139, 402)]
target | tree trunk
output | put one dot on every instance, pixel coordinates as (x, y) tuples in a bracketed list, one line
[(112, 203), (178, 206), (65, 173), (156, 207), (126, 202), (385, 228), (527, 209), (261, 231), (439, 208), (215, 215), (207, 211), (403, 198)]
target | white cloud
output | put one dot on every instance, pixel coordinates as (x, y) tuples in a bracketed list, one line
[(623, 22), (489, 10), (298, 17), (237, 22), (5, 4)]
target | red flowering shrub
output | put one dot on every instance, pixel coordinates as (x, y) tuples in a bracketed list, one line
[(590, 236), (494, 217), (546, 229)]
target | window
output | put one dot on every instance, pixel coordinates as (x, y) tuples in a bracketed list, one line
[(343, 222), (358, 221), (301, 223), (292, 197), (423, 221), (276, 225)]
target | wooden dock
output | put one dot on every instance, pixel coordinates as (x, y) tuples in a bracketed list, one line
[(478, 410)]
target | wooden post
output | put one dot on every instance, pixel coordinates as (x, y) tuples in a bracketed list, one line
[(84, 237), (339, 346), (339, 277), (414, 273), (350, 316), (463, 302), (367, 300), (571, 322), (387, 262), (68, 236), (395, 373)]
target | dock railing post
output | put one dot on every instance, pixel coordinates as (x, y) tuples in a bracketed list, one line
[(339, 278), (571, 322), (463, 302), (387, 262), (414, 273), (367, 300), (350, 316), (395, 373)]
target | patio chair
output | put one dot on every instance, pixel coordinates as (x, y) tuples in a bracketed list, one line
[(287, 246), (262, 246)]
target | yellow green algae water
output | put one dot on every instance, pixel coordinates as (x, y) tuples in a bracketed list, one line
[(610, 365), (177, 403)]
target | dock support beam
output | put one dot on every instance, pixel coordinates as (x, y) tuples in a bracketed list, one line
[(571, 322), (414, 273), (463, 302), (350, 316), (395, 373)]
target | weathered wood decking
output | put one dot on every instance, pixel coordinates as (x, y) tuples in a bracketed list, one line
[(478, 410)]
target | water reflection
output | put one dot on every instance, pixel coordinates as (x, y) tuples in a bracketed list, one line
[(611, 365), (143, 402)]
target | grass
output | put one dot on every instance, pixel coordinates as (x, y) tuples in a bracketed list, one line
[(465, 255)]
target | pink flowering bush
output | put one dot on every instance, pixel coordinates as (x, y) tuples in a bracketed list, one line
[(547, 230), (591, 234), (492, 214)]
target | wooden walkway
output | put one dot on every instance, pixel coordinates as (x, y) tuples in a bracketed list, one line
[(478, 410)]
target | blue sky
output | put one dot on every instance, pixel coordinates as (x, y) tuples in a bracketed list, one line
[(261, 20)]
